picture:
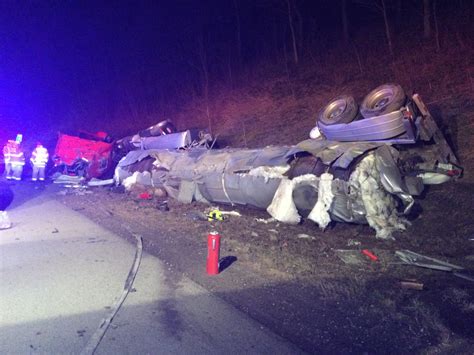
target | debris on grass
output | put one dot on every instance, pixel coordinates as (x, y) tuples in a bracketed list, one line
[(215, 215), (163, 206), (353, 242), (412, 258), (370, 255), (266, 221), (411, 284), (465, 276), (231, 213), (67, 179), (351, 257), (145, 196), (305, 236), (99, 182)]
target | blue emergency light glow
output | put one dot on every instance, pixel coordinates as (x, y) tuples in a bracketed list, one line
[(19, 138)]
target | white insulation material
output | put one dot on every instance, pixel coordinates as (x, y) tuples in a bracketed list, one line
[(269, 172), (319, 213), (283, 207), (434, 178), (380, 206), (120, 174), (143, 178)]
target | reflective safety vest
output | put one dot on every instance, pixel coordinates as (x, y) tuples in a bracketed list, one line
[(13, 154), (39, 156)]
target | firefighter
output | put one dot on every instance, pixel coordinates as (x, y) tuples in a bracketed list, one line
[(39, 159), (14, 160)]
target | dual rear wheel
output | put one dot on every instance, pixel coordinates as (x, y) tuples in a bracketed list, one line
[(382, 100)]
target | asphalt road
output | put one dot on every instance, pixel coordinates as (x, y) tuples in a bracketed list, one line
[(61, 275)]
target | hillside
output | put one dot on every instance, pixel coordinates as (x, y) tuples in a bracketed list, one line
[(282, 109)]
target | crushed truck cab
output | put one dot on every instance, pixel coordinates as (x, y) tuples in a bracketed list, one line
[(89, 157)]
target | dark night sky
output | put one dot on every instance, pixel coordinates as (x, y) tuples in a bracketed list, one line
[(64, 61), (51, 52)]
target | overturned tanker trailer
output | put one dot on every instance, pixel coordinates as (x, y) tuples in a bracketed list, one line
[(324, 180)]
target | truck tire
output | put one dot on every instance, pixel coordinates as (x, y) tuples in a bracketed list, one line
[(382, 100), (342, 109)]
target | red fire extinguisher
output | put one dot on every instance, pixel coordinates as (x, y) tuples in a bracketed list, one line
[(213, 245)]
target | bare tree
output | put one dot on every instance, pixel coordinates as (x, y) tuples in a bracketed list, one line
[(275, 37), (399, 12), (426, 19), (381, 7), (205, 77), (435, 18), (345, 21), (238, 32), (299, 24), (201, 65), (292, 29), (229, 67)]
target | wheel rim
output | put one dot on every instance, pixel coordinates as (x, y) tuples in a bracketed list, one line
[(380, 99), (335, 109)]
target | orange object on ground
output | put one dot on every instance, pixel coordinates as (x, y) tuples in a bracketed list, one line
[(372, 256), (145, 196)]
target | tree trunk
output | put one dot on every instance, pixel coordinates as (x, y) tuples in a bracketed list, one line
[(435, 18), (345, 21), (399, 13), (238, 33), (387, 28), (361, 70), (292, 29), (229, 68), (276, 53), (205, 78), (426, 19), (300, 30)]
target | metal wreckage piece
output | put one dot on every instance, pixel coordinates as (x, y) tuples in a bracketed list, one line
[(319, 179), (162, 135), (411, 258)]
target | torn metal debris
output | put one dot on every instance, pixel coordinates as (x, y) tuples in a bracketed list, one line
[(412, 258)]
